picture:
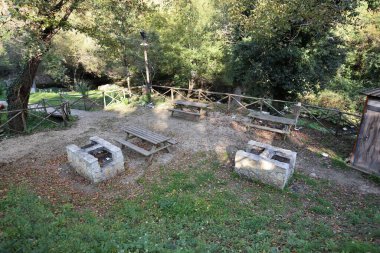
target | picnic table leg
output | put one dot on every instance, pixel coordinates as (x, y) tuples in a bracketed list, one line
[(152, 151)]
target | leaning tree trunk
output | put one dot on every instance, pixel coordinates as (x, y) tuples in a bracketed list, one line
[(18, 94), (19, 91)]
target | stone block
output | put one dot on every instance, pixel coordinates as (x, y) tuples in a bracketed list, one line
[(269, 164), (88, 165)]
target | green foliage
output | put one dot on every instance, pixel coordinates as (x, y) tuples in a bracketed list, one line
[(2, 89), (285, 49), (330, 99), (190, 42), (145, 99), (82, 87), (269, 48)]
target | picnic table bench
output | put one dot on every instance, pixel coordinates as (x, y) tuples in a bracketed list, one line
[(157, 141), (182, 107), (286, 122)]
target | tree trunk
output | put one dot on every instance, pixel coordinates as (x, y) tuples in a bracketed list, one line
[(129, 86), (191, 87), (18, 94)]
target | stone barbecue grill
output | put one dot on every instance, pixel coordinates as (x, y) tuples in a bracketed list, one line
[(97, 161), (269, 164)]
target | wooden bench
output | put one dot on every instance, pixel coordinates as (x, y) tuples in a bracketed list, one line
[(134, 147), (158, 141), (189, 108), (287, 122), (197, 114)]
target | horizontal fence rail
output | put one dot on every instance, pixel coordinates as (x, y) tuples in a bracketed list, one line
[(331, 119), (34, 116)]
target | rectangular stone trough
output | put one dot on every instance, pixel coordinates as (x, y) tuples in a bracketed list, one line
[(266, 163), (98, 161)]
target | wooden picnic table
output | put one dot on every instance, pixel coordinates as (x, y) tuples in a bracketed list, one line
[(286, 122), (157, 141), (183, 107)]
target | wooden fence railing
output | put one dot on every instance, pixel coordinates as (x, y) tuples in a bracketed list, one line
[(34, 116), (333, 120)]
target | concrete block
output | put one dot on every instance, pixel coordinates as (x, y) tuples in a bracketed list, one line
[(88, 166), (269, 164)]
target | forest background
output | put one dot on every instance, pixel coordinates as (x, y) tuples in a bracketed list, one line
[(319, 52)]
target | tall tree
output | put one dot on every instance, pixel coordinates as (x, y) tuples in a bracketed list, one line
[(282, 48), (41, 20)]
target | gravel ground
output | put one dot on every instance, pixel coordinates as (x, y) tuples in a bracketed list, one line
[(215, 133)]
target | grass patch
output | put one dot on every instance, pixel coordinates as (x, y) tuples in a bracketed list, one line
[(54, 99), (195, 209), (338, 162), (313, 125)]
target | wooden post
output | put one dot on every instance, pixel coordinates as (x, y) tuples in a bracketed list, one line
[(44, 105), (84, 102), (104, 100), (229, 103), (261, 105), (129, 86), (23, 120), (297, 112), (64, 113), (337, 128), (199, 95), (172, 93)]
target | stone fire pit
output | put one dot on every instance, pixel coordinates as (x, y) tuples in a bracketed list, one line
[(97, 161), (269, 164)]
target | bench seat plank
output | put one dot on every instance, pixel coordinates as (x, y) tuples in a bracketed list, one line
[(272, 118), (269, 129), (134, 147), (185, 112), (190, 103), (146, 135)]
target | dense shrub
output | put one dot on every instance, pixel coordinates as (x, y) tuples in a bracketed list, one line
[(330, 99)]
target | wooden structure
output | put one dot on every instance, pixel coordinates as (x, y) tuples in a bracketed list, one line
[(195, 109), (285, 123), (366, 152), (156, 141)]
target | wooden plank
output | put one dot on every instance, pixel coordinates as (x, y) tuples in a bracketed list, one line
[(134, 147), (272, 118), (172, 141), (185, 112), (192, 104), (146, 134), (269, 129), (157, 137), (367, 154)]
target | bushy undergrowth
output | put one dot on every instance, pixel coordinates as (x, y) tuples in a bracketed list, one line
[(195, 210), (331, 99)]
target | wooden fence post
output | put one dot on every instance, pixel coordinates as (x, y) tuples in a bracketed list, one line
[(297, 112), (44, 105), (64, 111), (84, 102), (172, 93), (24, 120), (337, 128), (199, 95), (104, 100), (261, 105), (229, 103)]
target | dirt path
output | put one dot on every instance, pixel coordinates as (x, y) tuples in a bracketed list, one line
[(216, 133)]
